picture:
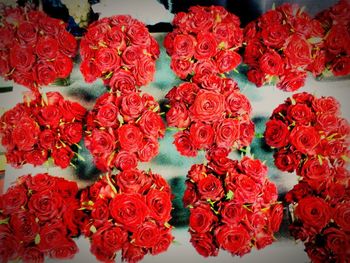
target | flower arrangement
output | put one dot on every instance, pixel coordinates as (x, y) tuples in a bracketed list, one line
[(308, 133), (42, 127), (278, 47), (39, 216), (123, 129), (209, 114), (204, 40), (128, 211), (332, 52), (35, 49), (233, 205), (120, 50)]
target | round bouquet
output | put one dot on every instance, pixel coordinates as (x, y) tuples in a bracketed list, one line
[(41, 127), (39, 215), (332, 52), (233, 205), (122, 130), (129, 211), (320, 218), (278, 47), (35, 49), (211, 114), (120, 50), (308, 133), (204, 40)]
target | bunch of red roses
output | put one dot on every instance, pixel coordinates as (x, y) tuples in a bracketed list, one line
[(123, 129), (320, 215), (204, 41), (38, 217), (309, 136), (332, 52), (211, 114), (41, 127), (128, 211), (120, 50), (278, 47), (35, 49), (232, 204)]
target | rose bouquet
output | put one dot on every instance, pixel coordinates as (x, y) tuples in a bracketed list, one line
[(332, 52), (278, 47), (39, 215), (35, 49), (320, 218), (120, 50), (211, 114), (309, 136), (204, 40), (41, 127), (232, 204), (128, 211), (123, 129)]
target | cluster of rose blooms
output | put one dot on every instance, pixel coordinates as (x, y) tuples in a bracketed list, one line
[(121, 51), (332, 53), (278, 47), (39, 216), (35, 49), (312, 139), (41, 127), (233, 205), (128, 212), (123, 129), (209, 114), (307, 131), (205, 39)]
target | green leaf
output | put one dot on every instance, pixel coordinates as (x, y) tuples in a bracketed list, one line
[(319, 157), (229, 195), (156, 108), (120, 119), (259, 135), (273, 6), (293, 100), (345, 158), (4, 221), (314, 40), (93, 229), (37, 239)]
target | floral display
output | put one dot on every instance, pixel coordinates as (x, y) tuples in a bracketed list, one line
[(278, 47), (35, 49), (233, 205), (43, 127), (332, 52), (213, 113), (39, 216), (204, 40), (309, 136), (128, 211), (123, 129), (120, 50)]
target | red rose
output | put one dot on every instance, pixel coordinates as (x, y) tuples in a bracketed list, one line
[(190, 195), (313, 212), (46, 205), (300, 114), (159, 205), (263, 239), (14, 198), (52, 235), (286, 161), (234, 239), (22, 58), (203, 68), (276, 133), (107, 115), (184, 145), (10, 246), (72, 111), (72, 132), (146, 235), (201, 135), (36, 157), (238, 104), (164, 241), (197, 172), (227, 60), (68, 44), (132, 181), (292, 80), (270, 193), (149, 149), (337, 241), (27, 33), (107, 59), (185, 92), (341, 215), (178, 116), (100, 141), (275, 35), (47, 48), (246, 190), (316, 254), (131, 54), (299, 191), (204, 244), (138, 34), (201, 219), (271, 63), (131, 106), (316, 174), (144, 70), (131, 253), (24, 140), (305, 139), (62, 156), (130, 137), (253, 51), (129, 210), (254, 168), (151, 124), (123, 81), (65, 250), (125, 160), (211, 188), (100, 212), (337, 39), (208, 106), (256, 76), (206, 46), (341, 66), (226, 133), (24, 226), (181, 67), (232, 213), (246, 133), (32, 254), (326, 105), (298, 52), (63, 66), (276, 216), (45, 73), (89, 70), (40, 182), (183, 46)]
